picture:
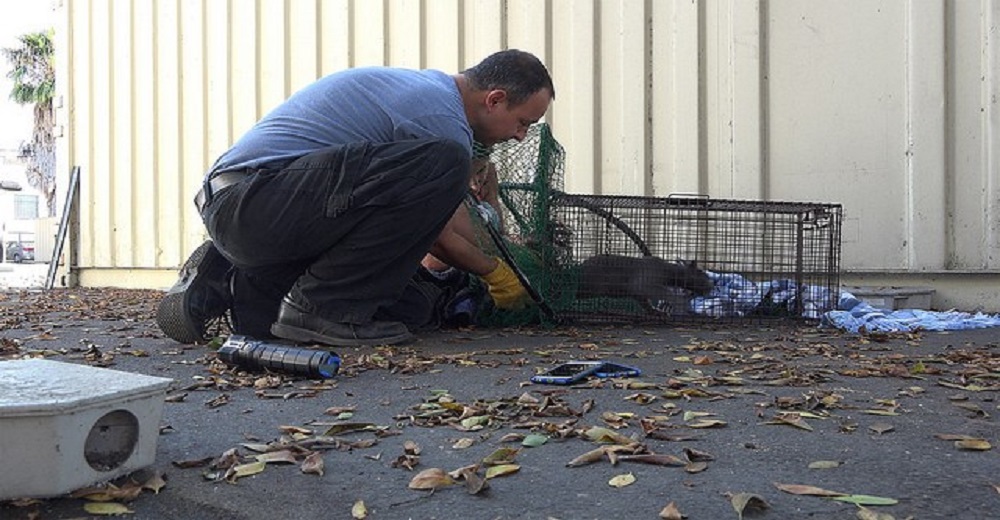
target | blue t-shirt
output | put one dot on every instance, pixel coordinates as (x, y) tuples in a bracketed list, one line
[(373, 104)]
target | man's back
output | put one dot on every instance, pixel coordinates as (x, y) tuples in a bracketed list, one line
[(373, 104)]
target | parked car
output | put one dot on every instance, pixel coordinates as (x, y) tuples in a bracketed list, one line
[(18, 252)]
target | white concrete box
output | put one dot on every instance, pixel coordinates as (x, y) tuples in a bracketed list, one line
[(65, 426), (894, 298)]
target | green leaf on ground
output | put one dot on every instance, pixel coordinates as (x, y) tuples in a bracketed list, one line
[(867, 500), (107, 508), (534, 440), (501, 470), (501, 456)]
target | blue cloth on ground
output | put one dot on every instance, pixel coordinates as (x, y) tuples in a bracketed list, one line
[(853, 315), (735, 295)]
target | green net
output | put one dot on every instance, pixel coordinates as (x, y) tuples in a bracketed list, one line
[(530, 172)]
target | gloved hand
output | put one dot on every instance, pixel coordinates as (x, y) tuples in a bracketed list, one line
[(505, 288)]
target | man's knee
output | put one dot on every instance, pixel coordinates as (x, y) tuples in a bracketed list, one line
[(448, 150), (451, 161), (448, 154)]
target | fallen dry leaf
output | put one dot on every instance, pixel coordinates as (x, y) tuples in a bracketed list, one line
[(691, 415), (800, 489), (244, 470), (337, 410), (706, 423), (881, 428), (696, 467), (193, 463), (155, 483), (463, 443), (501, 456), (313, 464), (432, 478), (973, 445), (867, 514), (791, 419), (588, 458), (474, 484), (359, 511), (747, 502), (512, 437), (340, 429), (501, 470), (606, 436), (670, 512), (654, 458), (880, 411), (694, 455), (620, 481), (282, 456), (411, 448), (702, 360)]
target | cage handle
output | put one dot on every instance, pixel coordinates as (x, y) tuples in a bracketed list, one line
[(690, 199), (687, 196)]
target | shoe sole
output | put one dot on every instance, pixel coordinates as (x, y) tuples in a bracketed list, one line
[(308, 336), (171, 315)]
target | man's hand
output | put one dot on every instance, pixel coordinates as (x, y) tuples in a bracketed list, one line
[(505, 288)]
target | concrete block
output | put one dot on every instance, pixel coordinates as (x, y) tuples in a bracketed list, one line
[(65, 426), (894, 298)]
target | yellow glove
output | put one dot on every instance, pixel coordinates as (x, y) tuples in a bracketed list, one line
[(505, 288)]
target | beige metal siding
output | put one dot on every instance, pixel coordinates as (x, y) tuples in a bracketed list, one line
[(887, 107)]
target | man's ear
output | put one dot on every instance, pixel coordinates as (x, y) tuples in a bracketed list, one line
[(495, 97)]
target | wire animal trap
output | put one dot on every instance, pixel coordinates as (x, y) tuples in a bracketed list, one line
[(601, 258), (648, 259)]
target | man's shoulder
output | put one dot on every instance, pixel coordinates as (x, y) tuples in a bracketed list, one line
[(388, 73)]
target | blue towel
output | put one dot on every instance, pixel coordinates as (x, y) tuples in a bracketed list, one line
[(734, 295), (855, 316)]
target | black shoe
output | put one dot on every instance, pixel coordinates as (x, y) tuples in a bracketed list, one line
[(298, 324), (199, 297)]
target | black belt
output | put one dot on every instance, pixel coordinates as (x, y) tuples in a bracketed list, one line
[(218, 182)]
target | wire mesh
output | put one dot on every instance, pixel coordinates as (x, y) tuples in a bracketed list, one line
[(648, 259), (609, 258)]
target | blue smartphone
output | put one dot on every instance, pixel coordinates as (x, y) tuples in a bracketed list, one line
[(617, 370), (568, 373)]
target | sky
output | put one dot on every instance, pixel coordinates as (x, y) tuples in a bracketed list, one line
[(30, 16)]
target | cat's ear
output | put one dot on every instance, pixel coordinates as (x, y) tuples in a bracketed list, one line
[(693, 264)]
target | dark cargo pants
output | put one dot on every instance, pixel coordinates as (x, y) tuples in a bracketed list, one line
[(342, 229)]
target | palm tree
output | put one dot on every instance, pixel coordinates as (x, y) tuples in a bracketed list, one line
[(33, 72)]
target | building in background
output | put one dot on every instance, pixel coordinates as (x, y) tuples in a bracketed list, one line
[(19, 210), (889, 108)]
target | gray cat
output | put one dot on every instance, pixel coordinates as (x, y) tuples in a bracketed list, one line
[(647, 279)]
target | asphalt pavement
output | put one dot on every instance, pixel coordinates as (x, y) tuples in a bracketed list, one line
[(721, 416)]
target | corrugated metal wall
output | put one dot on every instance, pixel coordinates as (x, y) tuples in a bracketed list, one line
[(889, 107)]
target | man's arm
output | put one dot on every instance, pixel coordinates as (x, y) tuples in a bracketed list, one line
[(455, 246)]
